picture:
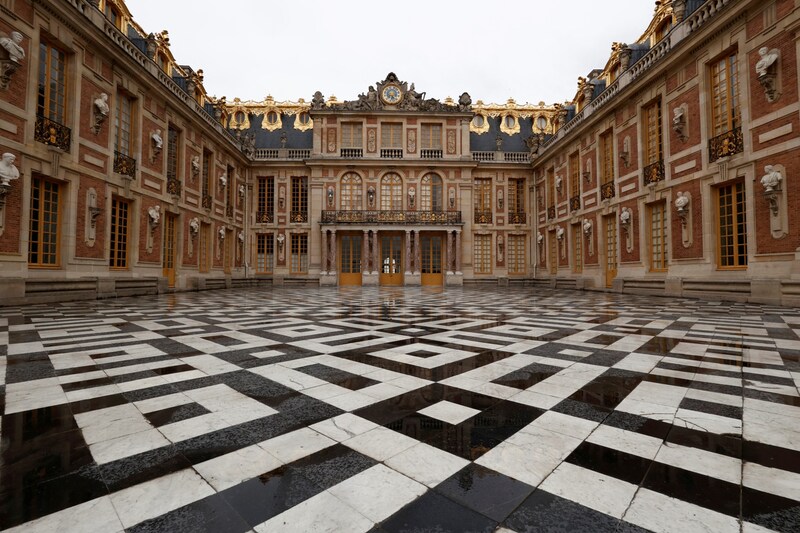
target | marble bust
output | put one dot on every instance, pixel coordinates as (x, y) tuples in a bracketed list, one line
[(101, 105), (625, 216), (8, 171), (681, 201), (587, 226), (194, 225), (12, 46), (768, 58), (772, 179), (158, 142), (155, 215)]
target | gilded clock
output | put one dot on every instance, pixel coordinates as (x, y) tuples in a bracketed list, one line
[(391, 94)]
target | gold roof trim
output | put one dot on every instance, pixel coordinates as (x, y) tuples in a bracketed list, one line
[(264, 107)]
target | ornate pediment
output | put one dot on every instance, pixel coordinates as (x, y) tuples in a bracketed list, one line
[(392, 94)]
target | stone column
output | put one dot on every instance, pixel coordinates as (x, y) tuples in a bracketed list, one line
[(376, 253), (333, 264), (365, 253), (458, 252), (324, 252), (448, 253), (417, 253), (408, 252)]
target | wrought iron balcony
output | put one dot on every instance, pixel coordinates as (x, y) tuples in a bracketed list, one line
[(124, 165), (575, 203), (517, 218), (483, 217), (208, 202), (653, 173), (174, 186), (298, 216), (52, 133), (352, 153), (430, 153), (391, 217), (607, 191), (264, 217), (392, 153), (229, 211), (728, 143), (551, 212)]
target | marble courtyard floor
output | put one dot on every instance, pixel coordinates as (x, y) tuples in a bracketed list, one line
[(387, 410)]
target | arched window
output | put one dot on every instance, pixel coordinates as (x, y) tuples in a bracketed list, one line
[(431, 193), (391, 193), (350, 199)]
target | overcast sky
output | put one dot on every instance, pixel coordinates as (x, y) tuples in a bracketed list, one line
[(530, 50)]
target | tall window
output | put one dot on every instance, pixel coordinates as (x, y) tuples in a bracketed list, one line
[(732, 226), (44, 236), (658, 236), (431, 193), (351, 135), (553, 248), (431, 137), (265, 253), (551, 188), (299, 263), (266, 198), (299, 199), (172, 153), (207, 166), (516, 195), (391, 135), (230, 187), (351, 192), (724, 95), (574, 176), (204, 247), (483, 194), (118, 252), (391, 193), (607, 158), (653, 147), (52, 94), (516, 254), (577, 249), (482, 254), (122, 125)]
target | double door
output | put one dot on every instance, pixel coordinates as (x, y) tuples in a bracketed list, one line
[(350, 260), (431, 259), (391, 259)]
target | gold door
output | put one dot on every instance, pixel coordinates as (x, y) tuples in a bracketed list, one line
[(168, 257), (350, 260), (432, 260), (391, 260), (611, 249)]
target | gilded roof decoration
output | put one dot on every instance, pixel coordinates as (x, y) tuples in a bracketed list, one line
[(240, 112), (516, 111)]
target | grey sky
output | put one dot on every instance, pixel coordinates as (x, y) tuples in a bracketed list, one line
[(530, 50)]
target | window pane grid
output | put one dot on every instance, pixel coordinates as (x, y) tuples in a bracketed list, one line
[(172, 153), (391, 193), (299, 262), (431, 136), (658, 237), (516, 254), (653, 142), (44, 219), (351, 135), (724, 95), (206, 172), (553, 242), (431, 193), (391, 135), (122, 123), (265, 253), (607, 154), (299, 194), (732, 226), (52, 83), (482, 254), (483, 194), (575, 176), (351, 193), (203, 248), (516, 195), (577, 248), (118, 252)]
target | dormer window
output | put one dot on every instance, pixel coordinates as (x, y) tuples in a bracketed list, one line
[(662, 30), (272, 117)]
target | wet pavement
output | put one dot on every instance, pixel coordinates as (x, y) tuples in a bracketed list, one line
[(392, 410)]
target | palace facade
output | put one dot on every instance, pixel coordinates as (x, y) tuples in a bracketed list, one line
[(669, 172)]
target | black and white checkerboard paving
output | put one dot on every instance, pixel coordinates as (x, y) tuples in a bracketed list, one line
[(328, 409)]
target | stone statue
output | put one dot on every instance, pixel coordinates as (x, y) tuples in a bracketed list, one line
[(194, 225), (681, 201), (412, 195), (452, 197), (539, 238), (196, 165), (587, 226), (330, 196), (249, 144), (12, 46), (317, 101), (371, 197), (241, 236), (241, 190), (283, 139), (464, 102), (221, 233), (560, 233), (155, 215), (771, 180), (768, 58), (158, 142), (625, 216), (498, 141), (8, 171), (101, 111), (679, 123), (223, 180)]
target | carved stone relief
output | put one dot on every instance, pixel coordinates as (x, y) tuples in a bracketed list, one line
[(451, 142)]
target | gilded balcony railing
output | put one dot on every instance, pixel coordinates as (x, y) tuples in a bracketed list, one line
[(174, 186), (391, 217), (653, 173), (52, 133), (298, 216), (607, 191), (483, 217), (229, 211), (517, 218), (728, 143), (208, 202), (575, 203), (264, 217), (124, 165), (551, 212)]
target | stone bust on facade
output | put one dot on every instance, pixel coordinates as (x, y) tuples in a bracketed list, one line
[(8, 171), (12, 46), (194, 225), (154, 213), (587, 226), (768, 58), (681, 202), (772, 179)]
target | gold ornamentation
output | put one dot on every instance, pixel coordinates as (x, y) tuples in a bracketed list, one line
[(264, 108), (451, 141), (517, 111)]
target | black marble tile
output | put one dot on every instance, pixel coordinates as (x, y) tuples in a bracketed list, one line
[(337, 376), (771, 511), (527, 376), (209, 515), (483, 490), (433, 513), (171, 415), (543, 512), (699, 489), (332, 465), (712, 408), (611, 462)]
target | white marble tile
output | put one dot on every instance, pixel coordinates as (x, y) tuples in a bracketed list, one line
[(19, 399), (343, 427), (535, 399), (638, 362), (772, 480), (591, 489), (94, 516), (380, 443), (158, 403), (662, 514), (426, 464), (323, 392), (232, 468), (158, 496), (351, 401), (657, 393), (378, 492), (210, 365), (323, 513), (572, 426), (715, 397), (707, 422), (110, 423), (127, 445), (625, 441), (297, 444), (653, 411), (701, 461), (449, 412)]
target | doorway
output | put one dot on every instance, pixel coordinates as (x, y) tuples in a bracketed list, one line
[(391, 259), (168, 265), (431, 260), (350, 260)]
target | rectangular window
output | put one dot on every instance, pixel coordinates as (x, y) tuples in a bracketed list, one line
[(482, 254), (483, 194), (52, 93), (265, 253), (658, 236), (391, 135), (299, 263), (299, 199), (266, 197), (553, 244), (516, 195), (551, 188), (577, 249), (118, 251), (230, 187), (172, 153), (653, 147), (431, 137), (574, 176), (724, 95), (208, 164), (607, 158), (204, 247), (351, 135), (732, 226), (123, 121), (44, 236), (516, 254)]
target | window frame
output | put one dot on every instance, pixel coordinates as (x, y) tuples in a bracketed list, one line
[(739, 207), (482, 254), (298, 262), (120, 227), (42, 220), (45, 100)]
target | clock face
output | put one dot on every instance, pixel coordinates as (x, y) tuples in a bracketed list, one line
[(391, 94)]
